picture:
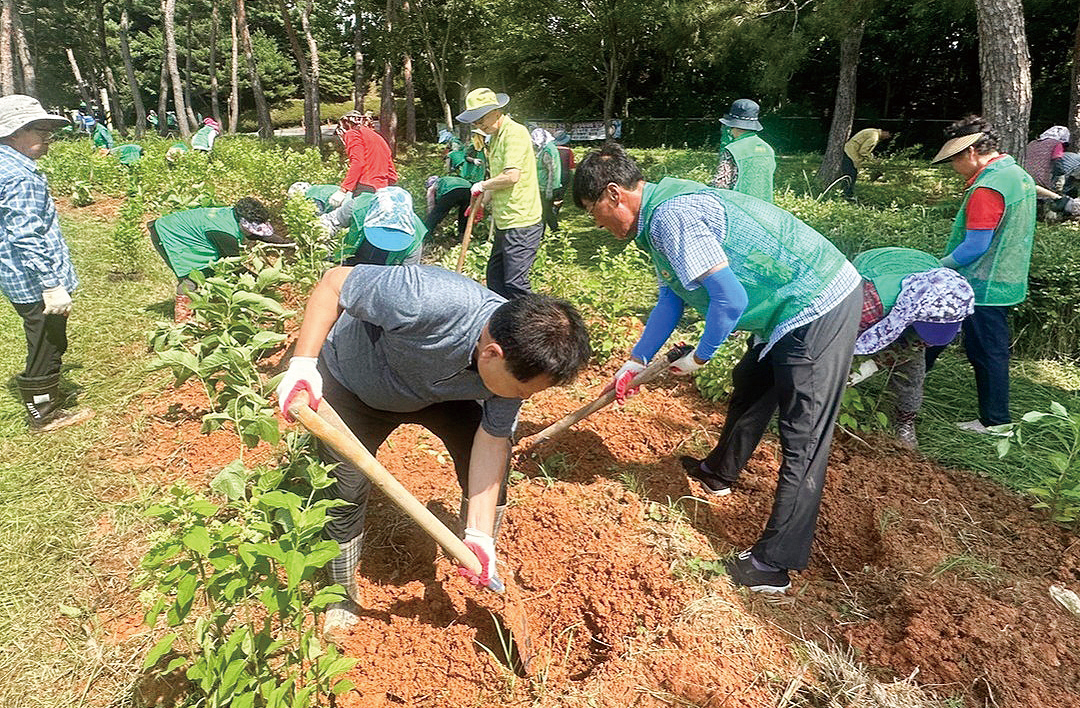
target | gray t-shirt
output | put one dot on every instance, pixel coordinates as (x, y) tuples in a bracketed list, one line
[(407, 337)]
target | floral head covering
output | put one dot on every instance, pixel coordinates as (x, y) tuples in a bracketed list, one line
[(1056, 132), (936, 297)]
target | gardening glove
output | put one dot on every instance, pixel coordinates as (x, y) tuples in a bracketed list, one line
[(477, 189), (623, 377), (57, 300), (337, 198), (303, 375), (484, 547), (685, 365)]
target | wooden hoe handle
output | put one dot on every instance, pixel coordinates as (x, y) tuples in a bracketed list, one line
[(328, 427), (473, 205)]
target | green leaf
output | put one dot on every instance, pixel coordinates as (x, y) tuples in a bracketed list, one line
[(278, 499), (322, 553), (1058, 409), (1003, 446), (1034, 416), (244, 700), (231, 481), (1059, 460), (294, 568), (185, 595), (303, 696), (175, 664), (197, 539), (159, 650)]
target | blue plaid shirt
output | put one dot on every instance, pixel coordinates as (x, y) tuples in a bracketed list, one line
[(33, 255), (688, 230)]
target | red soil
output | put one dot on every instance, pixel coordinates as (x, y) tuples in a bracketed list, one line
[(915, 567)]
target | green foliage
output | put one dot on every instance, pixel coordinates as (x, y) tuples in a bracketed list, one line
[(713, 380), (127, 236), (82, 194), (301, 224), (1054, 438)]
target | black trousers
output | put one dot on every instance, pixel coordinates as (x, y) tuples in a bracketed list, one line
[(986, 343), (512, 256), (454, 198), (803, 376), (453, 422), (848, 169), (46, 339)]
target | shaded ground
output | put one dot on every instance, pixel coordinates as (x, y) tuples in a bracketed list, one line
[(916, 567)]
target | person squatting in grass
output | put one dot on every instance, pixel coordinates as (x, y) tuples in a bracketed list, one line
[(371, 165), (513, 191), (192, 240), (747, 163), (909, 302), (990, 245), (859, 150), (419, 344), (748, 265), (36, 273)]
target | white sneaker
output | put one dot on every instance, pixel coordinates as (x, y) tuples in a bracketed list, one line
[(339, 619), (976, 426)]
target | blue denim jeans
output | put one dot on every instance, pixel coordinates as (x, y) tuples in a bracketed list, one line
[(986, 343)]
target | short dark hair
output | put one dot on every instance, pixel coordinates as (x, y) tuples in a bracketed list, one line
[(541, 335), (971, 124), (600, 168), (251, 209)]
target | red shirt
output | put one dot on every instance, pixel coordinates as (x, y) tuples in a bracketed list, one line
[(985, 207), (370, 162)]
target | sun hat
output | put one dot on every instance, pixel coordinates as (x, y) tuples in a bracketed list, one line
[(562, 138), (743, 114), (18, 111), (956, 145), (212, 123), (297, 188), (540, 137), (389, 222), (1055, 132), (479, 102), (445, 136), (933, 303)]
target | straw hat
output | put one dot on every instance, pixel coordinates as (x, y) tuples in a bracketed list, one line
[(479, 102), (955, 146)]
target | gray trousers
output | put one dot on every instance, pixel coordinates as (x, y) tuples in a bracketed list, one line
[(512, 256), (803, 377)]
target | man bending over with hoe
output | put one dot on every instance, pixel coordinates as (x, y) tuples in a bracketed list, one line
[(748, 265), (419, 344)]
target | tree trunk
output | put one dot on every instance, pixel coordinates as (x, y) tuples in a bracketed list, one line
[(262, 111), (313, 51), (1005, 70), (410, 102), (612, 83), (7, 56), (436, 62), (163, 101), (168, 19), (234, 77), (26, 62), (1074, 90), (387, 112), (301, 60), (110, 80), (215, 106), (844, 107), (83, 91), (359, 85), (129, 71), (187, 73)]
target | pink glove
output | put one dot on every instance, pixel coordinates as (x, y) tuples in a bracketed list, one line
[(623, 377), (484, 547), (303, 375)]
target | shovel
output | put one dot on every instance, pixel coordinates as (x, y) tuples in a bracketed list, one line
[(329, 428), (644, 376), (473, 205)]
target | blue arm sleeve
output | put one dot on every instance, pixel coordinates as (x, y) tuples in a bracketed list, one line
[(662, 320), (727, 302), (975, 243)]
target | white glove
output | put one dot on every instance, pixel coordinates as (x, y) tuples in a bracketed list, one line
[(686, 365), (484, 547), (303, 375), (337, 198), (57, 300), (623, 377), (477, 188)]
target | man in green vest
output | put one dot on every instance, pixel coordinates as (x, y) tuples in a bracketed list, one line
[(990, 245), (194, 239), (747, 163), (743, 264)]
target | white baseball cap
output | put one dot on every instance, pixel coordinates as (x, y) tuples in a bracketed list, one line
[(18, 111)]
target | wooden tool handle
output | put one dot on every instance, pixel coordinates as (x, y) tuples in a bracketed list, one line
[(473, 206), (328, 427)]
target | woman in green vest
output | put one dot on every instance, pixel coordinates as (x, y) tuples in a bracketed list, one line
[(194, 239), (384, 230), (747, 163), (990, 245), (204, 137), (746, 265)]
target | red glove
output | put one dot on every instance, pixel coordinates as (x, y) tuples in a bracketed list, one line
[(484, 547), (623, 377)]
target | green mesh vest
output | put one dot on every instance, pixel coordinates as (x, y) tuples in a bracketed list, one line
[(355, 236), (203, 139), (756, 162), (183, 236), (999, 276), (321, 193), (887, 267), (782, 263)]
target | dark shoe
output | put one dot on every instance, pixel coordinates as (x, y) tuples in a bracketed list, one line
[(61, 418), (713, 485), (742, 572), (41, 397)]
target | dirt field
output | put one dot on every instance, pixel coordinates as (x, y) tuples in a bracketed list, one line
[(918, 569)]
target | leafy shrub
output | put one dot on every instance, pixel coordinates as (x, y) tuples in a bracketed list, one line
[(713, 380), (1053, 436), (127, 237)]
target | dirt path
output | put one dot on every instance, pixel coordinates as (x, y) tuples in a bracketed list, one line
[(915, 567)]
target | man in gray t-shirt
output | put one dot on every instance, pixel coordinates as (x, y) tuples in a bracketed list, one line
[(419, 344)]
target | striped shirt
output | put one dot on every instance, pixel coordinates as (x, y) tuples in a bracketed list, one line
[(688, 230), (33, 255)]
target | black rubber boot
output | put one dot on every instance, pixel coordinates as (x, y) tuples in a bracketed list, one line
[(41, 396)]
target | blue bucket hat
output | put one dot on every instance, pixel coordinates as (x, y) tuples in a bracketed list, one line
[(389, 222), (743, 114)]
